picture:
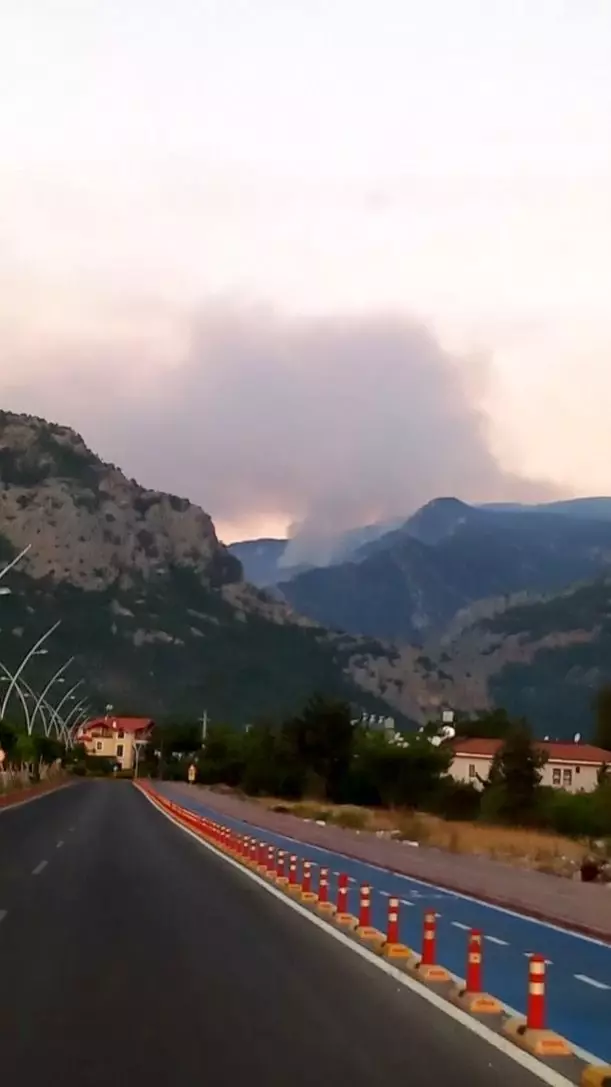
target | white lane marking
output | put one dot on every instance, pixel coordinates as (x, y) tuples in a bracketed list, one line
[(39, 868), (3, 914), (459, 924), (497, 1041), (496, 940), (59, 844), (563, 929), (527, 954), (592, 981), (406, 902)]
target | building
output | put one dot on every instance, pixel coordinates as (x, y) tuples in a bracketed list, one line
[(115, 738), (570, 766)]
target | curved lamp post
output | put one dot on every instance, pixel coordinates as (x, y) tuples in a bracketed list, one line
[(17, 686), (43, 694), (13, 562), (35, 648)]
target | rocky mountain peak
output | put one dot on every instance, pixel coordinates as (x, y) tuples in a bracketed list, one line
[(88, 524)]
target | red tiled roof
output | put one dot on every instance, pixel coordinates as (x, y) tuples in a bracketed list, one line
[(567, 752), (126, 724)]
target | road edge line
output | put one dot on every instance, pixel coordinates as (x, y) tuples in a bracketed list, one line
[(531, 1064)]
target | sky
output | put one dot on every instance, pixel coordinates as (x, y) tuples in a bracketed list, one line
[(311, 263)]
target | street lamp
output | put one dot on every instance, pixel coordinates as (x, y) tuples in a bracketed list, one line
[(8, 677), (34, 651), (54, 679)]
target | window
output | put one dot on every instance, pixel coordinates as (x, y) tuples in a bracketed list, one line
[(98, 746), (120, 734), (567, 777), (577, 769), (471, 769), (119, 751), (556, 777)]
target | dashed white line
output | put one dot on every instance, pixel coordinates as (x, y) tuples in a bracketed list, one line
[(459, 924), (39, 868), (592, 981), (406, 902), (497, 940), (527, 954), (59, 844)]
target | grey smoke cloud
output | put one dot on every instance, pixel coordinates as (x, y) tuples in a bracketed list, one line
[(333, 422)]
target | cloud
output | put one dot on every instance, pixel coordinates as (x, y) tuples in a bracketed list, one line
[(330, 422)]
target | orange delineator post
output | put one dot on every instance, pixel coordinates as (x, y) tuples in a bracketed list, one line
[(535, 1008), (364, 928), (342, 893), (271, 861), (281, 868), (473, 980), (429, 939), (293, 884), (392, 928), (323, 905), (307, 894), (365, 906)]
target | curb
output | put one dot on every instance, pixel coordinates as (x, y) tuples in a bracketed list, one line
[(559, 1059), (23, 796)]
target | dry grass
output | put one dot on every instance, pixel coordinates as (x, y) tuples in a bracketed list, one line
[(523, 848)]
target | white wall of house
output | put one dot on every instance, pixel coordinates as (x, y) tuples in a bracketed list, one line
[(558, 773)]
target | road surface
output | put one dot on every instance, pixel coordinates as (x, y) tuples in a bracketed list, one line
[(579, 968), (129, 953)]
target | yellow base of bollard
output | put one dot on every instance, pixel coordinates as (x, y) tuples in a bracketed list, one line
[(541, 1043), (326, 907), (477, 1003), (281, 881), (309, 897), (432, 973), (396, 951), (596, 1075), (294, 889), (346, 920), (371, 936)]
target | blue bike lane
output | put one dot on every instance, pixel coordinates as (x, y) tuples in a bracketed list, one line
[(578, 971)]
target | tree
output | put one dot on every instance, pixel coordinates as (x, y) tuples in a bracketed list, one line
[(323, 740), (492, 725), (602, 718), (515, 776)]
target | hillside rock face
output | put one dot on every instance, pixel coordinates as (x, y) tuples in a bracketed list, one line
[(153, 608), (87, 523)]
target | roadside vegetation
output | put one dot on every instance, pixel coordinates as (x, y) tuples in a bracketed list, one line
[(321, 765)]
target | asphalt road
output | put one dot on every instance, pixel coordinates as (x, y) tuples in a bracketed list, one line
[(131, 954), (579, 968)]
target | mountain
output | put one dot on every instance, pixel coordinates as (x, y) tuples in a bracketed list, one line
[(153, 608), (540, 657), (263, 559), (409, 583), (597, 508)]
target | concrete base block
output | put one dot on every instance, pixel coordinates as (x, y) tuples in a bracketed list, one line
[(477, 1003), (326, 908), (309, 897), (371, 936), (396, 951), (346, 920), (596, 1075), (281, 881), (432, 973), (541, 1043), (294, 889)]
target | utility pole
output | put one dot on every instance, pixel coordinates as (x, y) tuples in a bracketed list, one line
[(204, 724)]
